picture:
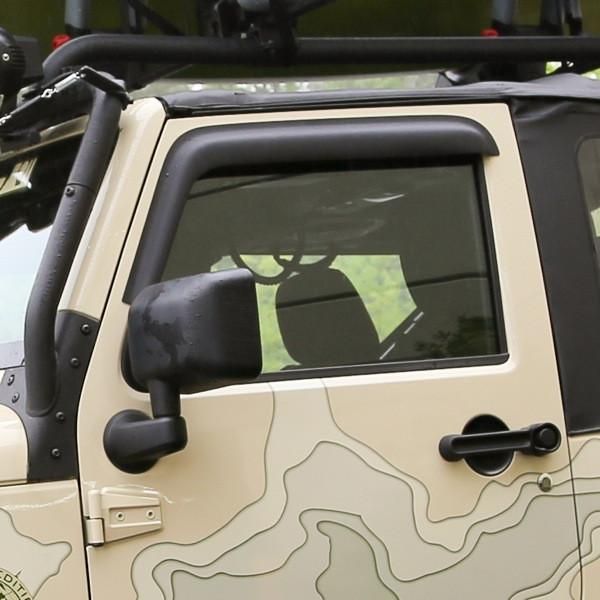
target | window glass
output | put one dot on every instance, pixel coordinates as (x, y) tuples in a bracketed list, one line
[(589, 167), (20, 254), (353, 265)]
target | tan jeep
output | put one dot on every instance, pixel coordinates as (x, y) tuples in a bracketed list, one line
[(338, 345)]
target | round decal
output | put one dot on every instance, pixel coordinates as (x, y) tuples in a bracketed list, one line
[(11, 587)]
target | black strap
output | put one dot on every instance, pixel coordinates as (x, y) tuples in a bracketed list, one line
[(153, 17), (284, 25)]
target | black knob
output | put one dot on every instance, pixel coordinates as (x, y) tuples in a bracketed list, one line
[(547, 437)]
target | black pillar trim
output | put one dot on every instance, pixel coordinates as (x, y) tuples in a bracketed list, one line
[(52, 438)]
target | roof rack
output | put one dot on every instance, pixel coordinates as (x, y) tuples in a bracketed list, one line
[(92, 49), (262, 33)]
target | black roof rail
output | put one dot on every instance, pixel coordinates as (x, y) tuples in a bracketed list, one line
[(183, 50)]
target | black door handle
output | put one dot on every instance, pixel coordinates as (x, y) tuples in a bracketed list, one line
[(539, 439)]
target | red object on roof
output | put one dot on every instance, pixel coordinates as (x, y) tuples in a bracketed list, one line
[(59, 39), (490, 32)]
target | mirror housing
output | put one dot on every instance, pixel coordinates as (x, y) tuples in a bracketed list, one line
[(186, 335), (196, 333)]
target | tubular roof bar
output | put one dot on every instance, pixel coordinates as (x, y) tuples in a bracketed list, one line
[(91, 49)]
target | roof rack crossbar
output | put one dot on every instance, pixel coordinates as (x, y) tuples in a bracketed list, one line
[(183, 50)]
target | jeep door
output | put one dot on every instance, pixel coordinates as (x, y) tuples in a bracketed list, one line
[(404, 439)]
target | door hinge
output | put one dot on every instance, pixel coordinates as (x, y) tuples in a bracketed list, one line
[(117, 513)]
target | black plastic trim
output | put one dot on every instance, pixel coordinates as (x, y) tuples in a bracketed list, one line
[(73, 212), (203, 150), (536, 440), (52, 438), (182, 50), (213, 102), (134, 441), (549, 134), (387, 367), (277, 104), (492, 260)]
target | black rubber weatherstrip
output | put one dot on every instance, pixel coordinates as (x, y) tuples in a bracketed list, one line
[(73, 212), (268, 144)]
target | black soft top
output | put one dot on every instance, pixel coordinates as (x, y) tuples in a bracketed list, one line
[(560, 87)]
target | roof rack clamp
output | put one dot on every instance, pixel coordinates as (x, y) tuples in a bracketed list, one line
[(275, 33)]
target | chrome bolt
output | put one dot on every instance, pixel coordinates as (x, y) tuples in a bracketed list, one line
[(60, 416), (545, 482), (74, 362), (6, 57), (85, 329), (56, 453)]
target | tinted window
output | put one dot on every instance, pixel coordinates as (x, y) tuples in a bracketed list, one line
[(353, 266), (589, 166)]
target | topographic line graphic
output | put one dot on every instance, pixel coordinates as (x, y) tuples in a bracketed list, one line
[(308, 562), (312, 466), (560, 584), (32, 561), (562, 475), (447, 531)]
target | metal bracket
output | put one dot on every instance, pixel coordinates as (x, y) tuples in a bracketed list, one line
[(118, 513), (38, 105)]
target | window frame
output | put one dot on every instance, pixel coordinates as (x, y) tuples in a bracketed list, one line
[(440, 139)]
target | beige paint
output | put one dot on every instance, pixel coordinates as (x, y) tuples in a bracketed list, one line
[(318, 474), (585, 451), (223, 469), (40, 528), (219, 479), (102, 241), (13, 447)]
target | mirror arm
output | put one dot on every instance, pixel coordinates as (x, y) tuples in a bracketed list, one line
[(134, 441), (164, 397)]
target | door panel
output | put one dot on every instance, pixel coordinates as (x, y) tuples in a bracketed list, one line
[(333, 487)]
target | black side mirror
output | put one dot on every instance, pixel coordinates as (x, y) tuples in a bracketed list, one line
[(186, 335)]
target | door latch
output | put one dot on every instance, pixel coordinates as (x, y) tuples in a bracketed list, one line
[(118, 513)]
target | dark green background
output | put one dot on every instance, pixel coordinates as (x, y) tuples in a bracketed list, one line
[(44, 18)]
